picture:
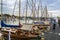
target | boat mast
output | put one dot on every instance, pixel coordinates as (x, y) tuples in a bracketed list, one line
[(26, 11), (38, 10), (51, 15), (45, 12), (13, 11), (1, 9), (19, 10), (41, 8), (14, 7), (33, 12), (1, 12)]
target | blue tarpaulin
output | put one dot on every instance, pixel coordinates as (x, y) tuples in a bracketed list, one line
[(7, 25), (38, 22)]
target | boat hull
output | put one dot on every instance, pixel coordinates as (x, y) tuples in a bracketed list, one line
[(7, 25)]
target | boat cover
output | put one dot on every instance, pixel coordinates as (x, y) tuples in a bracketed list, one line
[(38, 22), (7, 25)]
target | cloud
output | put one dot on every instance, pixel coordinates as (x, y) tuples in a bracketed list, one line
[(53, 6), (55, 13)]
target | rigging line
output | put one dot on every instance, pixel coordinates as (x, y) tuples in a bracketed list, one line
[(14, 7), (35, 6), (36, 10), (28, 5), (32, 8), (13, 11)]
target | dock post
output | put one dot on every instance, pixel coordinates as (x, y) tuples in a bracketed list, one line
[(9, 35)]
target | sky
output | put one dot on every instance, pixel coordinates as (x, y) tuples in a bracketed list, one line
[(53, 7)]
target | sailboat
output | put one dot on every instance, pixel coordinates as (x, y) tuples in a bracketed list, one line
[(21, 33), (42, 24), (8, 25)]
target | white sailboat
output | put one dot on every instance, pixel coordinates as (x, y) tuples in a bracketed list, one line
[(8, 25)]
